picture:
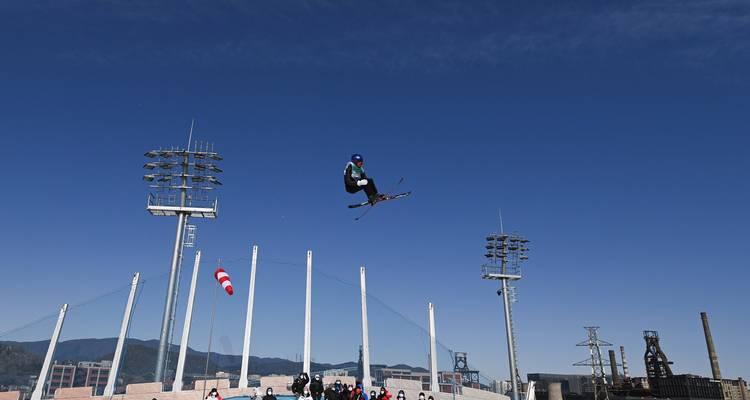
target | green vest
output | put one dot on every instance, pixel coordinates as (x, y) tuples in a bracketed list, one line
[(356, 171)]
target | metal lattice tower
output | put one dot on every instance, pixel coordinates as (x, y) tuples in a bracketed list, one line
[(189, 237), (181, 180), (513, 297), (596, 362), (469, 377), (505, 253)]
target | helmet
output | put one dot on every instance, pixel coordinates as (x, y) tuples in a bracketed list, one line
[(357, 158)]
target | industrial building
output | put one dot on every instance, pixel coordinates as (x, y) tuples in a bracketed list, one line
[(734, 389), (382, 374), (689, 387), (665, 384), (500, 386), (570, 384)]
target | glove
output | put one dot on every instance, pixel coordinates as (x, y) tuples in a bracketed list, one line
[(362, 182)]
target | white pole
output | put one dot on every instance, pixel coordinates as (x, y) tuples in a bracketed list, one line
[(308, 316), (109, 390), (366, 379), (177, 386), (434, 385), (42, 380), (248, 322)]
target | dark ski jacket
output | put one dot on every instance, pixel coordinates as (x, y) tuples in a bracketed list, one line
[(332, 394), (316, 388), (298, 387), (269, 397), (352, 174)]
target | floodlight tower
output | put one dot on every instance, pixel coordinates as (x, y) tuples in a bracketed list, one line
[(181, 179), (505, 253)]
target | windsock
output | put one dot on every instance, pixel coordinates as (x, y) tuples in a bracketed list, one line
[(223, 278)]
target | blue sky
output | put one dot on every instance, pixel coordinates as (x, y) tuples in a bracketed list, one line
[(613, 135)]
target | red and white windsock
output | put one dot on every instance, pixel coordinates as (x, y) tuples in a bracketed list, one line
[(224, 281)]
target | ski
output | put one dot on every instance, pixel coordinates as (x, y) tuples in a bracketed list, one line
[(380, 200)]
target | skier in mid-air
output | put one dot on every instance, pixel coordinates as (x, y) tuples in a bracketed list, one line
[(355, 179)]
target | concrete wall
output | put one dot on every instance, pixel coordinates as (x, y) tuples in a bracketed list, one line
[(219, 384), (280, 384), (413, 388), (73, 393), (482, 394), (13, 395), (403, 384), (141, 388)]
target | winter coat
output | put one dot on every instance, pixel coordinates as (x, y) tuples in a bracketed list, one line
[(298, 387), (385, 396), (332, 394), (316, 388)]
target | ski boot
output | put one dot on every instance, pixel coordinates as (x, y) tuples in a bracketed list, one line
[(376, 198)]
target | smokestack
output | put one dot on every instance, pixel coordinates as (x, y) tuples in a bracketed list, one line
[(625, 371), (711, 349), (613, 365)]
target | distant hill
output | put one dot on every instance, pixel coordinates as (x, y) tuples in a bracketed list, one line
[(18, 360), (16, 364)]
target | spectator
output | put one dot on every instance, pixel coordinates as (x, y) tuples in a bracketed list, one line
[(298, 387), (349, 392), (316, 387), (401, 395), (269, 395), (384, 394), (333, 392), (358, 393), (213, 395)]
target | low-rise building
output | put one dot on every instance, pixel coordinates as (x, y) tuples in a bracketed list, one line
[(687, 387), (61, 375), (734, 389), (93, 374)]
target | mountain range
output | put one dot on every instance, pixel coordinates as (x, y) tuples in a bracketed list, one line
[(19, 360)]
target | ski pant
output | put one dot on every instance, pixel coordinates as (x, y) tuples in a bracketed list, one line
[(370, 188)]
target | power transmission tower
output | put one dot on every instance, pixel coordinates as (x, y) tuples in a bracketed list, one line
[(596, 362)]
